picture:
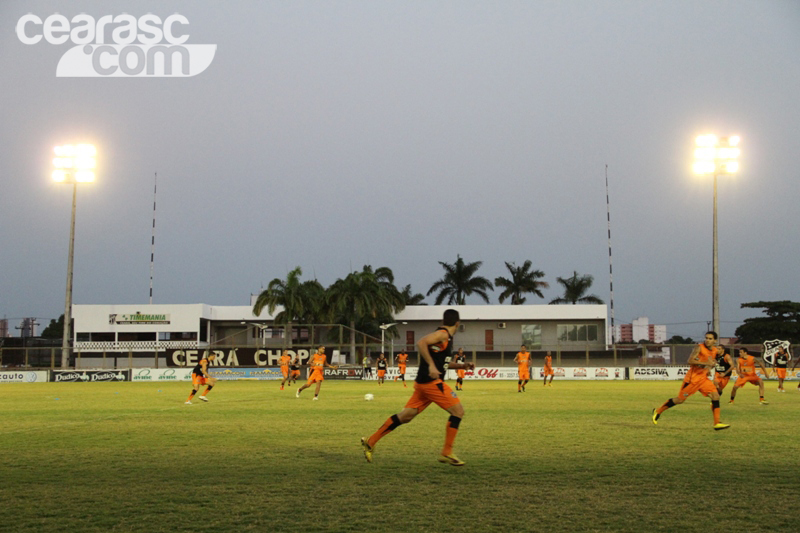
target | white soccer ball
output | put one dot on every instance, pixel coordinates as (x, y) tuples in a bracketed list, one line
[(369, 397)]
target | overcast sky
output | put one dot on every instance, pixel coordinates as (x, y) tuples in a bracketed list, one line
[(329, 135)]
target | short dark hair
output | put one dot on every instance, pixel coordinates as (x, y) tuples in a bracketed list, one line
[(745, 350), (450, 317), (713, 333)]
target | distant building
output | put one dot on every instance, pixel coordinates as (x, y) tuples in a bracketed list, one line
[(640, 329), (4, 327)]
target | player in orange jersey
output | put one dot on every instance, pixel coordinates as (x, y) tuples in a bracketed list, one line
[(200, 377), (523, 360), (286, 359), (381, 364), (723, 368), (317, 363), (780, 362), (746, 368), (701, 361), (435, 351), (294, 368), (402, 361), (547, 370), (460, 359)]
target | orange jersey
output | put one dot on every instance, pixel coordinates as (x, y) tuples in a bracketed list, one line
[(318, 361), (747, 366), (522, 359), (402, 358), (285, 360), (705, 356), (548, 361)]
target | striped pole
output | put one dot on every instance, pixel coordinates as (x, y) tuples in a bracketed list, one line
[(610, 267)]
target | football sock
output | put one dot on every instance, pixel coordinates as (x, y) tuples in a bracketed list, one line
[(208, 389), (194, 391), (391, 423), (761, 398), (451, 430), (715, 410), (519, 385), (669, 403)]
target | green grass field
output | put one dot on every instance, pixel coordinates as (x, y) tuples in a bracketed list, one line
[(580, 456)]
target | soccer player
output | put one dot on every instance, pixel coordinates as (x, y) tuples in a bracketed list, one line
[(285, 360), (523, 360), (435, 351), (381, 365), (461, 372), (200, 377), (701, 361), (367, 362), (295, 370), (780, 363), (723, 368), (402, 361), (318, 363), (746, 368), (548, 369)]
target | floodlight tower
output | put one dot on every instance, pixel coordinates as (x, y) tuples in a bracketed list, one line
[(717, 156), (74, 164)]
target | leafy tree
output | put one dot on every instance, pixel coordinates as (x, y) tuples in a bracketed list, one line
[(301, 301), (411, 298), (575, 288), (522, 281), (363, 300), (54, 330), (677, 339), (460, 281), (782, 322)]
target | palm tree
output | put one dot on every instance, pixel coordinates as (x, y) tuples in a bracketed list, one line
[(362, 299), (459, 281), (301, 302), (575, 289), (522, 281), (411, 298)]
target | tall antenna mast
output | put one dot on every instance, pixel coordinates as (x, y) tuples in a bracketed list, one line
[(153, 238), (610, 268)]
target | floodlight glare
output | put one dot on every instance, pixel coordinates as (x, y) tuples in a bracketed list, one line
[(59, 175), (731, 167), (734, 140), (84, 176), (707, 140)]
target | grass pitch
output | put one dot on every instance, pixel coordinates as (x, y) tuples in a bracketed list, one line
[(580, 456)]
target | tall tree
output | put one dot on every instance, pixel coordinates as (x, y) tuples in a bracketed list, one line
[(523, 281), (410, 297), (575, 288), (54, 330), (301, 301), (363, 299), (460, 281), (782, 322)]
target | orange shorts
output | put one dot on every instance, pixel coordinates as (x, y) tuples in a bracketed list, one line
[(434, 392), (548, 371), (316, 376), (461, 373), (702, 384), (285, 371), (295, 373), (401, 369), (524, 373), (781, 373), (747, 378), (721, 381), (381, 373), (199, 379)]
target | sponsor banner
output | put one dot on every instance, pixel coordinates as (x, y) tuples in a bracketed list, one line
[(655, 373), (393, 371), (344, 373), (87, 376), (231, 374), (237, 357), (138, 318), (161, 374), (23, 376), (511, 373)]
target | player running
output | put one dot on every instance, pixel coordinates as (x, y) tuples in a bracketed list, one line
[(523, 360), (746, 368), (435, 351), (780, 363), (402, 361), (318, 363), (285, 361), (461, 372), (367, 362), (295, 370), (381, 365), (701, 361), (723, 368), (547, 370), (200, 377)]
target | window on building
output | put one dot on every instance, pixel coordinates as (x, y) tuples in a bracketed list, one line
[(96, 337), (488, 338), (177, 335), (532, 336), (577, 332), (133, 336), (410, 342)]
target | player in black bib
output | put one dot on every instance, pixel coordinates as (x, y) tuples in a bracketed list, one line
[(781, 362), (723, 368)]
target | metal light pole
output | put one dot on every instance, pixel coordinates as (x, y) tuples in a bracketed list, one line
[(74, 165), (716, 156), (384, 327)]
